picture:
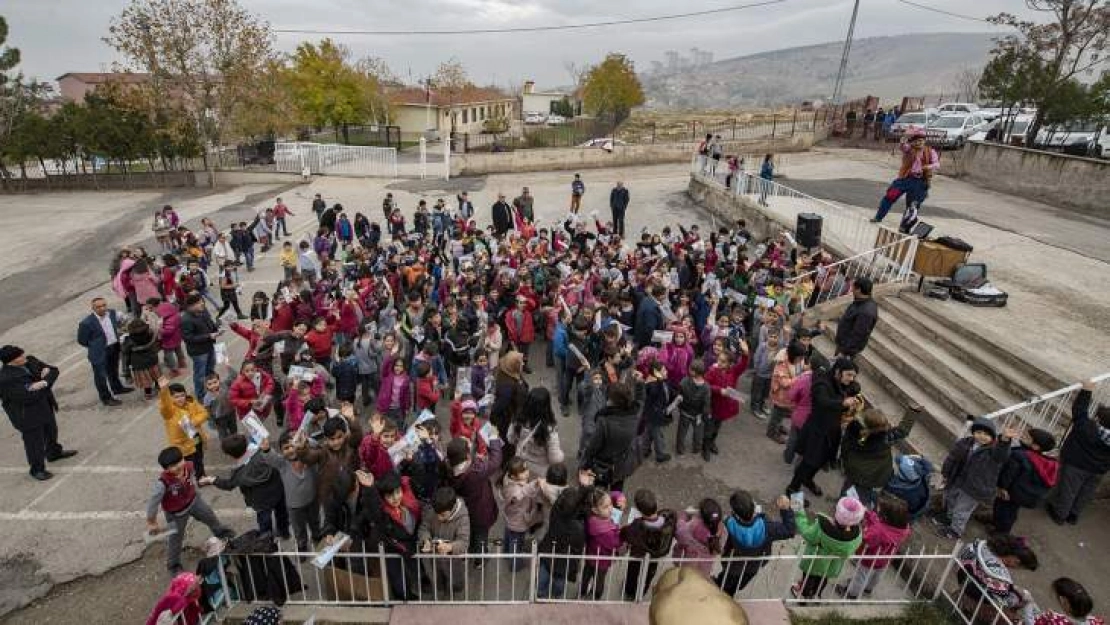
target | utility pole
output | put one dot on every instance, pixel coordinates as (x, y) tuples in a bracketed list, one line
[(839, 87)]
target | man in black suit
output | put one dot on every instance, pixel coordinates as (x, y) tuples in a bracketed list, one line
[(618, 203), (99, 334), (26, 391)]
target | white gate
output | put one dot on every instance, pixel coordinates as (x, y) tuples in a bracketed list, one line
[(335, 160)]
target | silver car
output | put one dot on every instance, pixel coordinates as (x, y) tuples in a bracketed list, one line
[(957, 129)]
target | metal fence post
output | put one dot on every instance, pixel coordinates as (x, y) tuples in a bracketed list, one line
[(223, 581), (794, 124), (653, 133), (534, 572), (734, 128), (774, 124), (947, 570)]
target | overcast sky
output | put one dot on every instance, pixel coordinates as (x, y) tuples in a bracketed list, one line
[(58, 36)]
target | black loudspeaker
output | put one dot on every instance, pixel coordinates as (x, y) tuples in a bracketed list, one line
[(809, 230)]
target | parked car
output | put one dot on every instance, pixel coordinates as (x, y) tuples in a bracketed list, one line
[(602, 142), (1080, 138), (957, 129), (556, 120), (951, 108), (913, 119), (535, 118)]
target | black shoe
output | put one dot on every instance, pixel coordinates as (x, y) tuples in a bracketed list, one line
[(706, 455), (112, 402), (62, 455), (125, 390), (1073, 519), (816, 490), (679, 452), (712, 447), (663, 458), (43, 475)]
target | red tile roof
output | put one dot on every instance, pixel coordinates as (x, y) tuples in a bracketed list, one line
[(469, 95), (99, 78)]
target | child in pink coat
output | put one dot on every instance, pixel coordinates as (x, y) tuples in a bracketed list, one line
[(884, 533), (603, 538), (172, 354), (700, 536), (676, 356)]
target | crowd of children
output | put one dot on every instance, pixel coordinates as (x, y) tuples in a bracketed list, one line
[(374, 330)]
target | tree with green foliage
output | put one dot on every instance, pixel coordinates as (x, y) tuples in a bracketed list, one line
[(329, 91), (611, 89), (1057, 51), (563, 107)]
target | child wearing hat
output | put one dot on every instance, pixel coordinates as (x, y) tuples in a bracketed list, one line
[(838, 536), (1025, 479), (971, 474)]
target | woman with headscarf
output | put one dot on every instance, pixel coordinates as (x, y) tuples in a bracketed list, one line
[(181, 601), (833, 394), (509, 389)]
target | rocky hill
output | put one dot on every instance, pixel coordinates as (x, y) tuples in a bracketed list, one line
[(888, 67)]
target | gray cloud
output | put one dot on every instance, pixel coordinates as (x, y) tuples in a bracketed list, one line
[(57, 36)]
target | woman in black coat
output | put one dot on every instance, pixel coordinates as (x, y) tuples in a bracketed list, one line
[(818, 442), (612, 450)]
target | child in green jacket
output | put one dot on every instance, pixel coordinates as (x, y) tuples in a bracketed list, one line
[(839, 536)]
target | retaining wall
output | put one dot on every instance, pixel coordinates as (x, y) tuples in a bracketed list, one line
[(108, 182), (1058, 179), (547, 159)]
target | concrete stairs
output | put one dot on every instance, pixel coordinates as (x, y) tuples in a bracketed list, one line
[(920, 354)]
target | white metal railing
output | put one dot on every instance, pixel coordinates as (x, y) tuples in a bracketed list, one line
[(888, 263), (1052, 411), (360, 579), (843, 225), (326, 158)]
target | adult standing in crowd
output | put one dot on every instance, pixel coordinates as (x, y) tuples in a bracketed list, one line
[(618, 203), (27, 394), (1084, 458), (649, 316), (502, 216), (859, 319), (526, 202), (199, 331), (98, 333)]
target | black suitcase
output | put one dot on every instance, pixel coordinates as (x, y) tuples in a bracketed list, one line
[(954, 243)]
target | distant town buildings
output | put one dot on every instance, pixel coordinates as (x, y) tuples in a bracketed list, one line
[(74, 86)]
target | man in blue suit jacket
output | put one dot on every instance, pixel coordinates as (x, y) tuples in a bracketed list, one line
[(99, 334), (649, 316)]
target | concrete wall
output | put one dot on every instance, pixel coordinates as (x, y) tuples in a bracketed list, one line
[(1049, 177), (476, 164), (89, 182), (235, 178), (728, 207)]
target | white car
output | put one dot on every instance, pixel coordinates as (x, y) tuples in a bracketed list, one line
[(957, 129), (1076, 138), (535, 118), (951, 108), (603, 142), (556, 120), (913, 119)]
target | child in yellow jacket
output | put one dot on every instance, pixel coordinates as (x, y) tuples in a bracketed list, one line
[(288, 260), (184, 418)]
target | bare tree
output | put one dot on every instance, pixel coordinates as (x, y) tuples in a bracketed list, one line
[(576, 72), (966, 83)]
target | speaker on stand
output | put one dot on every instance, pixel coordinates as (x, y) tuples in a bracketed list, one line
[(808, 230)]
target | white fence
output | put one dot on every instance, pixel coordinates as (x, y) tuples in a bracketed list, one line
[(331, 159), (846, 226), (1053, 411), (892, 262), (361, 579)]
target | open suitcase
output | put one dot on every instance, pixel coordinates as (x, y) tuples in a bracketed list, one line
[(969, 285)]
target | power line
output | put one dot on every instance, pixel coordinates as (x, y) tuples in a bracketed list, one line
[(944, 12), (532, 29)]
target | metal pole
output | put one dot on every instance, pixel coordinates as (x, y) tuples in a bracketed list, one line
[(774, 124), (447, 158), (794, 124), (839, 86)]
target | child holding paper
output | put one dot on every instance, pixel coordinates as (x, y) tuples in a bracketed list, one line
[(724, 398), (184, 419)]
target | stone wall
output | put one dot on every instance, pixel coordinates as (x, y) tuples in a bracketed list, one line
[(1056, 179), (109, 182), (546, 159), (235, 178)]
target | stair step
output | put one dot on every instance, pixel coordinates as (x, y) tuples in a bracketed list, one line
[(977, 384), (956, 399), (938, 321), (882, 380)]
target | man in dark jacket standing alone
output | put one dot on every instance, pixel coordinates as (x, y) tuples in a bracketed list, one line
[(618, 202), (649, 316), (502, 216), (857, 322), (1084, 458), (199, 332), (27, 393)]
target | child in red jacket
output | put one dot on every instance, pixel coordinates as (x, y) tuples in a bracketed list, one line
[(465, 423), (518, 323), (427, 394), (603, 538), (884, 533), (320, 339)]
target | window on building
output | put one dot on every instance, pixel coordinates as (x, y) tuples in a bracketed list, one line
[(466, 120)]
